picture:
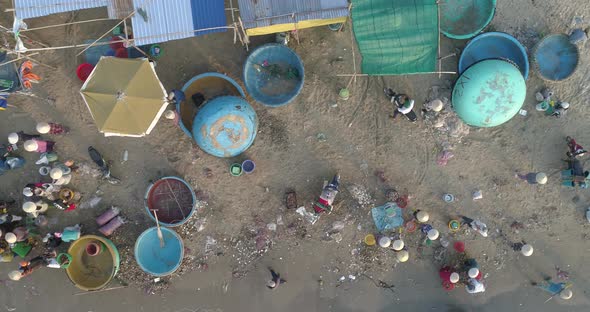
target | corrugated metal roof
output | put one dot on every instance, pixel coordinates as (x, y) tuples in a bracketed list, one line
[(176, 19), (36, 8), (262, 13)]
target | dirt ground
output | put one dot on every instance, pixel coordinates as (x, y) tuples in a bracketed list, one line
[(224, 270)]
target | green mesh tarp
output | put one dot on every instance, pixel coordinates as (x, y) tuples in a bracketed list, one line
[(396, 36)]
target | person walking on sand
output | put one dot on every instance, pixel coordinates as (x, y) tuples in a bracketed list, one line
[(275, 281), (51, 128), (476, 225), (533, 177), (449, 278), (555, 289), (474, 286)]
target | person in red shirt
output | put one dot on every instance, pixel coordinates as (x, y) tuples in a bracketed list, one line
[(449, 278)]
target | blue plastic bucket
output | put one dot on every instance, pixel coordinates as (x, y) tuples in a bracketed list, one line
[(164, 195), (273, 74), (156, 260), (248, 166), (495, 45)]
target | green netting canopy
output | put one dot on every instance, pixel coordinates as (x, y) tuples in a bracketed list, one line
[(396, 37)]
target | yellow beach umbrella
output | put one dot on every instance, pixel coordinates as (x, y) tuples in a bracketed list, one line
[(124, 96)]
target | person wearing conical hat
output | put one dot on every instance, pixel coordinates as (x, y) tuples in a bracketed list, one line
[(474, 286), (533, 177), (275, 281), (21, 137), (51, 128), (448, 277), (560, 289), (38, 146)]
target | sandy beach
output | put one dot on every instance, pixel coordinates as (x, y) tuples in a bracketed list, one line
[(223, 270)]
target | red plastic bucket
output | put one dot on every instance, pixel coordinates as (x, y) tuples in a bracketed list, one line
[(84, 70)]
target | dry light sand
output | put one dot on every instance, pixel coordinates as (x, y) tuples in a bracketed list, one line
[(230, 276)]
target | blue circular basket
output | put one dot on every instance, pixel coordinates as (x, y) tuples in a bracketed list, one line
[(175, 183), (196, 80), (555, 57), (495, 45), (463, 19), (156, 260), (273, 75)]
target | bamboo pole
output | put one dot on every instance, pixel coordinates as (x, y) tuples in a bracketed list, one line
[(438, 23), (352, 44), (132, 40), (66, 24), (18, 59), (106, 33), (231, 6)]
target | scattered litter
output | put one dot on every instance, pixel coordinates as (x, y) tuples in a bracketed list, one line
[(309, 217), (342, 278), (271, 226), (321, 137), (588, 214), (578, 36), (156, 280), (443, 157), (280, 220), (522, 112), (210, 243), (351, 277), (125, 156), (337, 226), (361, 195), (477, 195), (291, 200), (92, 202), (337, 237), (201, 224), (387, 217)]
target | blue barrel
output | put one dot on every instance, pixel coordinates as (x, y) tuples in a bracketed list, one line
[(273, 74), (495, 45), (556, 58), (155, 259), (225, 126)]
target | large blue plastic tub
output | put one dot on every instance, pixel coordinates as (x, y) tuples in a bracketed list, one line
[(273, 75), (556, 58), (157, 260), (463, 19), (495, 45)]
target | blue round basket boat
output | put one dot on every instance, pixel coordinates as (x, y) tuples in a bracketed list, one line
[(157, 260), (273, 75), (463, 19), (495, 45), (555, 57), (211, 85), (225, 126)]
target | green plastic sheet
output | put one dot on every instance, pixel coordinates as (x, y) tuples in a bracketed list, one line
[(396, 37)]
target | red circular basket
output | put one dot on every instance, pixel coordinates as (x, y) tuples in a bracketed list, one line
[(84, 70)]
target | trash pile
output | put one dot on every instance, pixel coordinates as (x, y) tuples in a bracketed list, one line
[(449, 129), (26, 231)]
